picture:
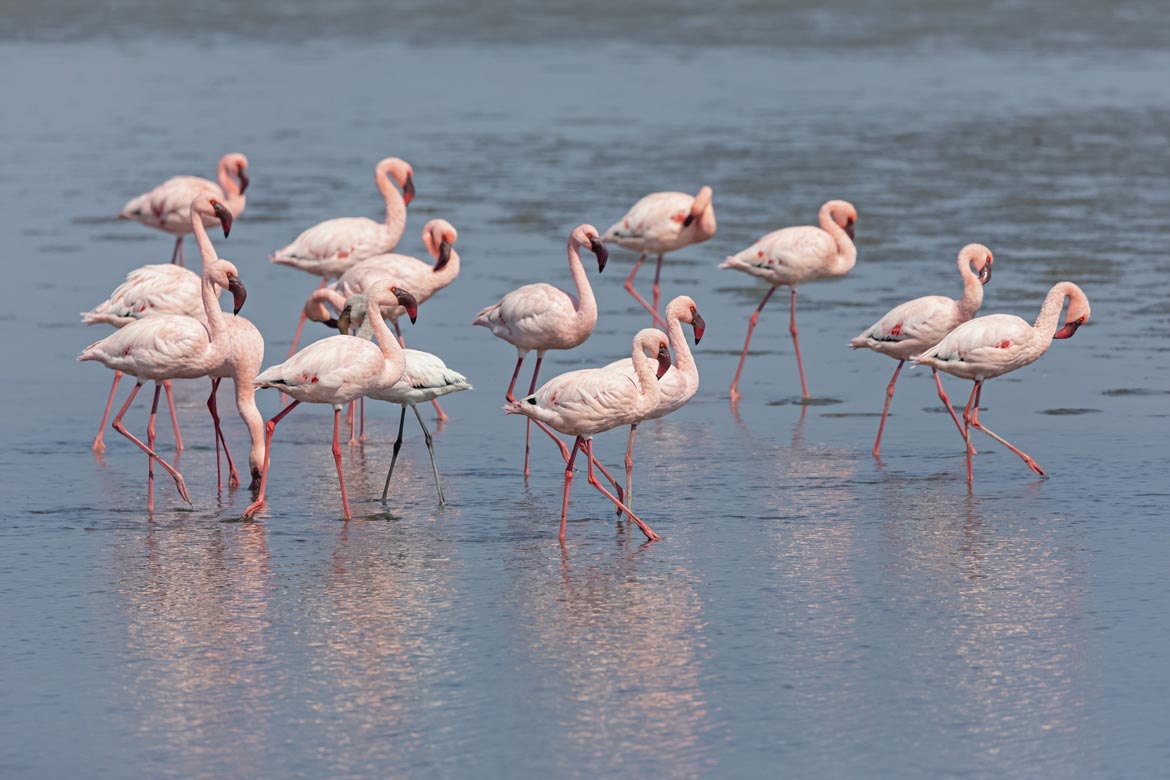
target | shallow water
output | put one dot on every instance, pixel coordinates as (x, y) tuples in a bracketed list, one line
[(809, 608)]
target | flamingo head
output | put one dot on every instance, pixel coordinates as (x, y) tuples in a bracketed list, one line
[(406, 301), (223, 215), (700, 204), (683, 309), (1077, 315), (980, 258), (354, 310), (438, 236), (401, 173), (842, 213), (588, 236), (236, 164), (224, 274)]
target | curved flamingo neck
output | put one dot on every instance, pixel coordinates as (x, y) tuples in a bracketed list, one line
[(972, 297), (846, 255), (683, 360), (387, 342), (208, 289), (1050, 310), (646, 371), (395, 205), (234, 199), (250, 414), (586, 303), (315, 306)]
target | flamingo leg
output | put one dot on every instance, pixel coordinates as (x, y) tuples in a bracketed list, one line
[(99, 442), (233, 475), (629, 495), (657, 292), (117, 425), (394, 457), (735, 394), (528, 427), (796, 345), (174, 417), (645, 304), (565, 456), (349, 420), (877, 445), (1023, 455), (646, 530), (431, 450), (967, 428), (568, 481), (942, 394), (177, 254), (150, 443), (270, 428), (508, 396), (337, 458), (362, 416)]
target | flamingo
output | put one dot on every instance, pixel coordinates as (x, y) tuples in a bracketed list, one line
[(330, 248), (794, 255), (174, 346), (543, 317), (245, 355), (166, 207), (987, 347), (425, 378), (662, 222), (681, 381), (912, 327), (335, 371), (594, 400)]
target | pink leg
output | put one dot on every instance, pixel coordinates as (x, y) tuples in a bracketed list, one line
[(99, 442), (117, 425), (942, 394), (735, 394), (657, 295), (174, 417), (565, 456), (349, 420), (177, 254), (150, 444), (877, 445), (362, 415), (233, 475), (568, 481), (337, 458), (649, 532), (1023, 455), (629, 495), (270, 428), (528, 427), (645, 304), (796, 344), (967, 429), (512, 386)]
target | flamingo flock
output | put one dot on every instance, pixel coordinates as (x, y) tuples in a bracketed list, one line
[(170, 325)]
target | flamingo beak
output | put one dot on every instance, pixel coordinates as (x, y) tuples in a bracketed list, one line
[(224, 216), (444, 255), (663, 360), (849, 229), (408, 189), (244, 180), (687, 222), (599, 249), (408, 302), (1068, 330), (342, 321), (985, 273), (239, 293), (699, 325)]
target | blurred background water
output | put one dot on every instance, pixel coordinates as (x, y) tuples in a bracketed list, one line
[(810, 611)]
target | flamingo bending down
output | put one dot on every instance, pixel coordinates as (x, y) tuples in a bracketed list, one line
[(245, 355), (987, 347), (662, 222), (543, 317), (335, 371), (174, 346), (678, 385), (913, 327), (167, 206), (794, 255), (425, 378), (330, 248), (594, 400)]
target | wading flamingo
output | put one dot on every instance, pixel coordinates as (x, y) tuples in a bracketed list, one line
[(174, 346), (335, 371), (167, 206), (594, 400), (330, 248), (678, 385), (662, 222), (245, 355), (543, 317), (987, 347), (425, 378), (913, 327), (794, 255)]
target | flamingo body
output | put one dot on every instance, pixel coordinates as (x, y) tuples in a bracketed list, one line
[(150, 290), (658, 223)]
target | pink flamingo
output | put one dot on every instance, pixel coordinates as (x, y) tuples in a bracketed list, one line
[(794, 255), (662, 222), (245, 354), (543, 317), (174, 346), (332, 247), (987, 347), (167, 206), (594, 400), (425, 378), (915, 326), (335, 371), (149, 290), (678, 385)]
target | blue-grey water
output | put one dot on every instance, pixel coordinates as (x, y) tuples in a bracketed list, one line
[(810, 612)]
